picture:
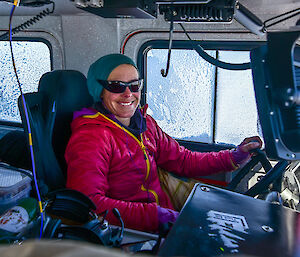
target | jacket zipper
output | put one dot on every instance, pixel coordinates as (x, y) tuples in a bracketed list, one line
[(148, 167), (140, 143)]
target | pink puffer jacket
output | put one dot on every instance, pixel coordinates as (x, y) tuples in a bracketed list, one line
[(115, 169)]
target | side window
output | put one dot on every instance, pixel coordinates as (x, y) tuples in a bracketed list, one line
[(236, 112), (181, 103), (199, 102), (32, 59)]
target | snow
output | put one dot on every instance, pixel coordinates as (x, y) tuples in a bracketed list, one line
[(32, 60)]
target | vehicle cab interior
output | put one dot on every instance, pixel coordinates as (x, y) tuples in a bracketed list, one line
[(214, 72)]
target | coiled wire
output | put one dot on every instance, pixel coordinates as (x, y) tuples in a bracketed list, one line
[(30, 22)]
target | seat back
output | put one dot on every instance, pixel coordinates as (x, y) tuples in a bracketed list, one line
[(50, 112)]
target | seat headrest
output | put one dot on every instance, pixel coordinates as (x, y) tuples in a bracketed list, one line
[(68, 88)]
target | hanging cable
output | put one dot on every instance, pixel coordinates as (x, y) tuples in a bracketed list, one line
[(293, 14), (163, 72), (30, 22), (240, 66), (27, 119), (220, 64)]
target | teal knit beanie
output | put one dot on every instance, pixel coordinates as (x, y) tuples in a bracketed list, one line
[(101, 70)]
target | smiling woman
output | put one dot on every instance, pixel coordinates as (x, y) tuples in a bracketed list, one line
[(116, 148), (122, 105)]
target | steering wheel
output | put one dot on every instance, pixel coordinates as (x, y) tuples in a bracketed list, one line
[(272, 173)]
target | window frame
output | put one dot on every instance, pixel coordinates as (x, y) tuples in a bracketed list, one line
[(190, 45), (15, 124)]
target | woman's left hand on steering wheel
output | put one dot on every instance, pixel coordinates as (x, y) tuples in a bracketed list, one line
[(250, 143), (243, 151)]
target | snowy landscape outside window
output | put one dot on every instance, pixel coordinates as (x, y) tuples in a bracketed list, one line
[(236, 111), (32, 61), (183, 102)]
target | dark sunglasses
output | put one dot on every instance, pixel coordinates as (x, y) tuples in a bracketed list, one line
[(120, 86)]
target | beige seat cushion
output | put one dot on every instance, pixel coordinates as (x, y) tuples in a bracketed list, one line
[(177, 189)]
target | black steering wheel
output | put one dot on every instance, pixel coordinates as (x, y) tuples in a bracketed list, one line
[(272, 173)]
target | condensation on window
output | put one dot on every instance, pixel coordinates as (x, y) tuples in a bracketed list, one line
[(236, 111), (32, 61), (181, 103)]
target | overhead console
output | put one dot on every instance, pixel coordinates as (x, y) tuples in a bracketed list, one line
[(178, 10), (30, 3), (198, 11), (145, 9)]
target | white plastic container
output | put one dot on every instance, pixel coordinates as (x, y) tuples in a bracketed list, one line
[(14, 185)]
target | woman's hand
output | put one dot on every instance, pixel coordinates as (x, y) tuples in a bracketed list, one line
[(166, 215), (242, 153), (250, 143)]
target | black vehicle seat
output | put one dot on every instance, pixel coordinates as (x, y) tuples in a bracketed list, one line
[(50, 111)]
